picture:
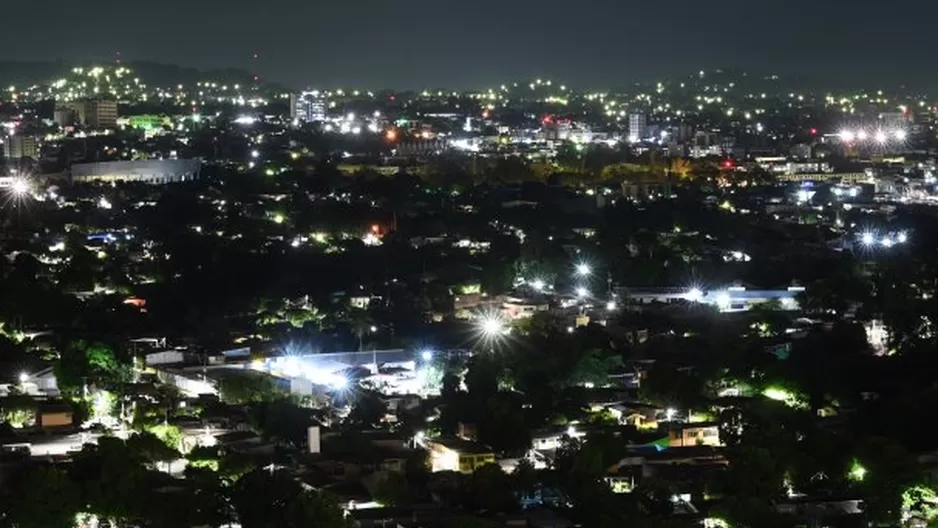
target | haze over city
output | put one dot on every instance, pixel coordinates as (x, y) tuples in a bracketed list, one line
[(422, 43)]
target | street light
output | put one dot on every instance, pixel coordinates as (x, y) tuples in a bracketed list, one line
[(24, 377), (426, 355), (694, 295), (492, 326), (583, 269), (19, 187), (724, 301), (582, 292), (867, 238)]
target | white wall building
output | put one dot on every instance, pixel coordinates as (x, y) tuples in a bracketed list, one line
[(143, 171)]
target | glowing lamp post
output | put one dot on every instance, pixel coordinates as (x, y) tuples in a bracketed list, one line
[(694, 295), (491, 328), (19, 188)]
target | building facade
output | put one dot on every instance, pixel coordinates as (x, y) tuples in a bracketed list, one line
[(92, 113), (638, 126), (308, 107), (143, 171), (19, 147)]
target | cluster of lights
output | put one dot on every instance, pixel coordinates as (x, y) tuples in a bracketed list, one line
[(869, 239), (879, 136)]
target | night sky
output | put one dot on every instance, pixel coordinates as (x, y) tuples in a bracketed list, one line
[(476, 44)]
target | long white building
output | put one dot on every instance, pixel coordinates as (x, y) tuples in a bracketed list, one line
[(145, 171)]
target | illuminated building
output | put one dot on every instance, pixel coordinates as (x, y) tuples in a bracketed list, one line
[(92, 113), (454, 454), (145, 171), (307, 107), (638, 125), (694, 434), (19, 147)]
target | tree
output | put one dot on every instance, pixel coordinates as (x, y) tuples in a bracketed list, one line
[(393, 490), (265, 499), (82, 363), (206, 457), (114, 482), (489, 489), (241, 389), (44, 498), (368, 411), (594, 368), (151, 448), (524, 478)]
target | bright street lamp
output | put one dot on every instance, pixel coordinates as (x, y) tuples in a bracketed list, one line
[(492, 326), (694, 295), (867, 238), (23, 377), (724, 301), (426, 355), (583, 269), (19, 187)]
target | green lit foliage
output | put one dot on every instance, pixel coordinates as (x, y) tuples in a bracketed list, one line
[(920, 502), (241, 389), (168, 434), (204, 457), (81, 364), (42, 497)]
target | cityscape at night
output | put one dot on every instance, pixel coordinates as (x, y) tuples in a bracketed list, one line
[(296, 294)]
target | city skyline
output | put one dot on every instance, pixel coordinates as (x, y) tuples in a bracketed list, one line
[(599, 43)]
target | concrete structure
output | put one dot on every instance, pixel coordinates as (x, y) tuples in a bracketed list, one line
[(166, 357), (144, 171), (92, 113), (638, 125), (454, 454), (727, 299), (694, 434), (307, 107), (843, 177), (19, 147)]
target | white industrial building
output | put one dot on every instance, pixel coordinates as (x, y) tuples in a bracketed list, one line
[(143, 171)]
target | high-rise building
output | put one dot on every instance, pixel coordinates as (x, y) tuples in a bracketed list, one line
[(92, 113), (638, 124), (308, 107), (19, 147)]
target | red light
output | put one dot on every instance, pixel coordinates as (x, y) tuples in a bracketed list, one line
[(547, 120), (813, 131), (375, 228), (392, 98), (485, 114), (728, 164)]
